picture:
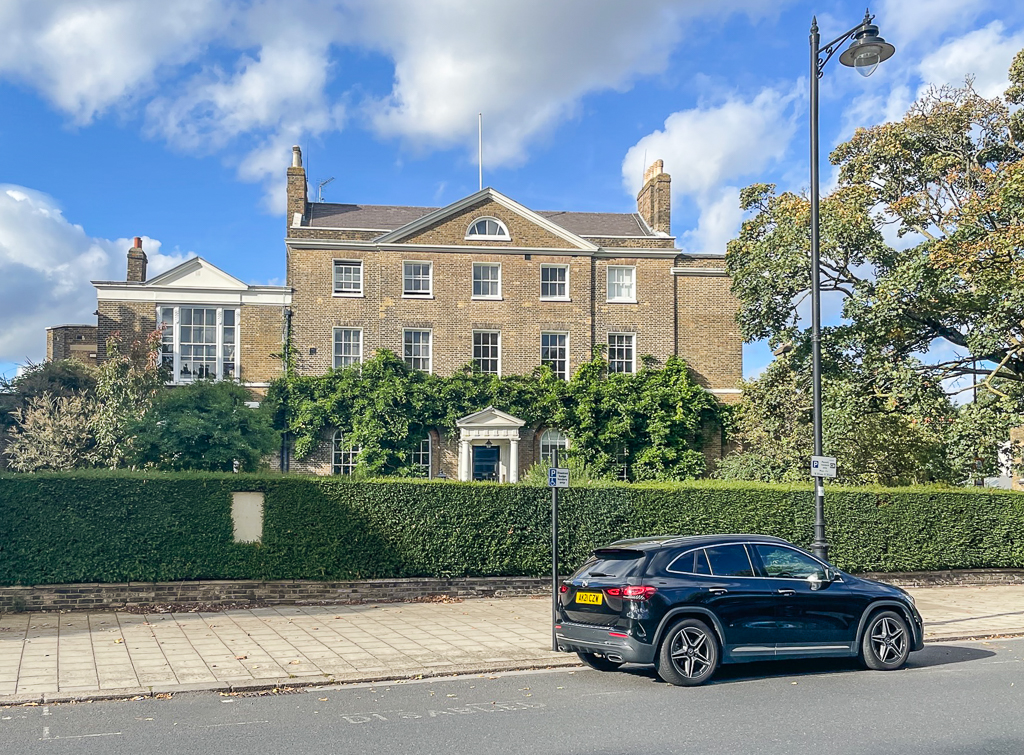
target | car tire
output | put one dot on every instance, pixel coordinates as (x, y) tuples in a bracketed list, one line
[(599, 662), (689, 654), (886, 642)]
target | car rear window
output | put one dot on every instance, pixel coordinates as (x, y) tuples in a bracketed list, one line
[(729, 561), (612, 563), (691, 562)]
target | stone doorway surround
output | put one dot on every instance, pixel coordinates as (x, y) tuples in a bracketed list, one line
[(492, 426)]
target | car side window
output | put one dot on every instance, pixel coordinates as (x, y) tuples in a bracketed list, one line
[(786, 563), (729, 561), (700, 565), (691, 562)]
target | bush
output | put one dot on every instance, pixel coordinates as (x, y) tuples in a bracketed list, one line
[(102, 526)]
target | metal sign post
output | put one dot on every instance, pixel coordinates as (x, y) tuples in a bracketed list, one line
[(557, 478)]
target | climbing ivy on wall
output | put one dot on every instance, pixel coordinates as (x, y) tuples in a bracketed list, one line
[(656, 418)]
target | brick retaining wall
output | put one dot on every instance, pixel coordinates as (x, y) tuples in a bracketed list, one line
[(93, 596)]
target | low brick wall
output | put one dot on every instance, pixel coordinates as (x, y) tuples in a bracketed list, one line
[(239, 592), (92, 596)]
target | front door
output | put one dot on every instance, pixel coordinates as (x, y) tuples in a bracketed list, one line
[(485, 463)]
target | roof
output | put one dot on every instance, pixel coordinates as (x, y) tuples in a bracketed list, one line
[(650, 543), (379, 217)]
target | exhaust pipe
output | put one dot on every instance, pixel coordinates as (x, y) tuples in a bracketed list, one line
[(614, 657)]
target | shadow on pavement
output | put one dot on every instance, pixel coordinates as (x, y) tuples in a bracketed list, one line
[(738, 672)]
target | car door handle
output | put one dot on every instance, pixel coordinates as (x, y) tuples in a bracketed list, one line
[(717, 590), (786, 592)]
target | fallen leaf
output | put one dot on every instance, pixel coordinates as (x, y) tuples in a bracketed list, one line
[(294, 663), (322, 699), (119, 640), (241, 657)]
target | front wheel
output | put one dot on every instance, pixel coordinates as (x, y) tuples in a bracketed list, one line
[(886, 642), (688, 655), (599, 662)]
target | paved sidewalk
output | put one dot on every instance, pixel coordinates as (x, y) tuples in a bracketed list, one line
[(51, 657)]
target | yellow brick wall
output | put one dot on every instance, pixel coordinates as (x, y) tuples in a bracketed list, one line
[(261, 336)]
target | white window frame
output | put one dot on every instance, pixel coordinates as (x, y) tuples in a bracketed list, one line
[(334, 346), (175, 353), (553, 266), (502, 235), (334, 279), (563, 436), (429, 293), (352, 463), (430, 456), (608, 285), (486, 297), (430, 349), (556, 333), (632, 348), (498, 333)]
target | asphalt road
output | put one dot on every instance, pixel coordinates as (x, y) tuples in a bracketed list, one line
[(954, 699)]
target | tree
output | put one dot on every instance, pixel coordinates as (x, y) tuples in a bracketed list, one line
[(54, 433), (935, 298), (203, 426), (127, 384)]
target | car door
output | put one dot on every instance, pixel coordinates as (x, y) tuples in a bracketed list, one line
[(813, 615), (743, 603)]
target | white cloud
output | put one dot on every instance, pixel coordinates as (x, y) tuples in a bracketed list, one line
[(985, 53), (708, 147), (86, 56), (46, 264), (259, 73), (909, 22)]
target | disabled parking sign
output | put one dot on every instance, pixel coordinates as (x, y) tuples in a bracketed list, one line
[(558, 477)]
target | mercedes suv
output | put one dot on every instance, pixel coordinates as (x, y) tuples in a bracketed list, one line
[(688, 604)]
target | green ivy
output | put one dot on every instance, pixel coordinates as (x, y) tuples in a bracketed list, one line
[(655, 419)]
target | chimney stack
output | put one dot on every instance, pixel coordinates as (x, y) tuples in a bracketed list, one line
[(137, 262), (297, 196), (655, 198)]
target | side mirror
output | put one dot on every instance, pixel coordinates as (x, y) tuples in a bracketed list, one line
[(816, 581)]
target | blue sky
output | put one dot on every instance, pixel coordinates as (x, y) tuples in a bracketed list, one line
[(175, 121)]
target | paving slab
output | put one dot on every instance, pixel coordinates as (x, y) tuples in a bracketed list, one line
[(110, 654)]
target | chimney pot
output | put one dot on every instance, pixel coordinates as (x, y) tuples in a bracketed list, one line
[(138, 242), (296, 156)]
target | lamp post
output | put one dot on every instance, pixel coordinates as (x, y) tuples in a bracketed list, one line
[(864, 54)]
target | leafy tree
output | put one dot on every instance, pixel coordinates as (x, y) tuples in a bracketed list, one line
[(54, 433), (203, 426), (127, 384), (65, 377), (945, 303)]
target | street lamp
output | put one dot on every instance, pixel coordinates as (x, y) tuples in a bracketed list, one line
[(864, 54)]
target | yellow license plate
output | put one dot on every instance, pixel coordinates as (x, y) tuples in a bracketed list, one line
[(590, 598)]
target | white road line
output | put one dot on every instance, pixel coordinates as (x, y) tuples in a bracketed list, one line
[(240, 723), (46, 710), (47, 737)]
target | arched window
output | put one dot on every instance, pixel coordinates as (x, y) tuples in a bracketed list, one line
[(490, 229), (421, 455), (549, 441), (344, 456)]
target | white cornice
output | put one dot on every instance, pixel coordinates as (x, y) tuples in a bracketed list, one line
[(254, 295), (700, 272), (373, 246)]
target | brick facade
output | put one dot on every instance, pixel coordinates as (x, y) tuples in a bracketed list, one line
[(676, 311), (72, 342)]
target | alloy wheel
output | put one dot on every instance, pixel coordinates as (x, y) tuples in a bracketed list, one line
[(888, 639), (690, 652)]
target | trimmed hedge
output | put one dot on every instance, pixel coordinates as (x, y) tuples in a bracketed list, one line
[(119, 527)]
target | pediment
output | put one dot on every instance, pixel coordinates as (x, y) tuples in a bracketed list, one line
[(197, 273), (447, 226), (490, 418)]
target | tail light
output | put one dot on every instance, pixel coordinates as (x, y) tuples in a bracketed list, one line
[(563, 588), (639, 592)]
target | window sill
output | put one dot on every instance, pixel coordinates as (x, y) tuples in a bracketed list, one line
[(487, 298), (620, 301), (417, 296), (348, 295), (555, 298)]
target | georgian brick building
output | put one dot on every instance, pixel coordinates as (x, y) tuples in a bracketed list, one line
[(483, 280), (489, 281)]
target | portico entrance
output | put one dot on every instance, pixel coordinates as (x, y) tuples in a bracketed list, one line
[(489, 446)]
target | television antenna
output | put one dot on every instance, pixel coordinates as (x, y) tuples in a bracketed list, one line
[(320, 188)]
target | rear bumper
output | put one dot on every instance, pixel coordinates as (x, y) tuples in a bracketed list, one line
[(588, 638)]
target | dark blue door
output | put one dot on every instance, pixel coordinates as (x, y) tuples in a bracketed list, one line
[(485, 463)]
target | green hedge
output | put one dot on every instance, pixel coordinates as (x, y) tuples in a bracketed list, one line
[(117, 527)]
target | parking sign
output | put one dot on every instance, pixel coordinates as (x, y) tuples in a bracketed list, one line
[(558, 477)]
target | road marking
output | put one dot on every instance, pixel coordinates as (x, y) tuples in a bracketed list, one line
[(46, 735), (240, 723), (46, 710)]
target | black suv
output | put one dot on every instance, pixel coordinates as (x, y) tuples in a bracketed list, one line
[(687, 604)]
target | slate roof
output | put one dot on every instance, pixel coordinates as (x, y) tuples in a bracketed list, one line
[(389, 217)]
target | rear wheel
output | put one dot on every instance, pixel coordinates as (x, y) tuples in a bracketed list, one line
[(599, 662), (886, 642), (689, 654)]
